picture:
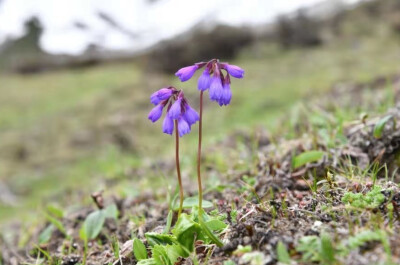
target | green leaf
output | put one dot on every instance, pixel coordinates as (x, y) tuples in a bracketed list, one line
[(190, 202), (306, 157), (167, 254), (380, 125), (139, 249), (159, 239), (55, 211), (216, 225), (111, 211), (361, 238), (160, 256), (210, 234), (57, 223), (93, 224), (242, 249), (174, 252), (45, 235), (282, 253), (115, 246), (186, 232), (327, 250), (147, 262), (309, 246), (169, 221)]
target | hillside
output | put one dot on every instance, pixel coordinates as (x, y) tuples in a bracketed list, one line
[(301, 167), (321, 188)]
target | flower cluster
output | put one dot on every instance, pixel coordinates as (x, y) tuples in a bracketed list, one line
[(178, 109), (213, 79)]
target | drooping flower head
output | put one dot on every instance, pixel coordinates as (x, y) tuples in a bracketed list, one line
[(178, 109), (187, 72), (160, 95), (213, 78)]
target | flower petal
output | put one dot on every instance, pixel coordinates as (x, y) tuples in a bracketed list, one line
[(226, 95), (187, 72), (204, 80), (176, 109), (215, 88), (156, 113), (183, 127), (168, 125), (190, 115), (160, 95), (234, 70)]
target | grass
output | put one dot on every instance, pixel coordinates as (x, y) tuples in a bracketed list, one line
[(64, 126)]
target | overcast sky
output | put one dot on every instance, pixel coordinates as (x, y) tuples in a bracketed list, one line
[(152, 21)]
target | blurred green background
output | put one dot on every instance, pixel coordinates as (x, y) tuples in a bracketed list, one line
[(71, 125)]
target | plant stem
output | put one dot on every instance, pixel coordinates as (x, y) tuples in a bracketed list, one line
[(178, 168), (199, 158)]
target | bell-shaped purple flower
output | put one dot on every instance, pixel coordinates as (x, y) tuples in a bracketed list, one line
[(226, 95), (183, 127), (190, 115), (160, 95), (187, 72), (216, 88), (156, 113), (176, 109), (168, 125), (204, 80), (234, 70)]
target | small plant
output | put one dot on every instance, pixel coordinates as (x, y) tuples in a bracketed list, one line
[(179, 115), (218, 84), (167, 248), (282, 253), (317, 249), (371, 199)]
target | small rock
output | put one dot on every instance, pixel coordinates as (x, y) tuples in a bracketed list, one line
[(246, 240), (301, 185)]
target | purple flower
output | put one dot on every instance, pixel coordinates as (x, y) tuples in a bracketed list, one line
[(216, 88), (204, 80), (226, 95), (156, 113), (176, 110), (183, 127), (234, 70), (168, 125), (190, 115), (213, 79), (160, 95), (187, 72)]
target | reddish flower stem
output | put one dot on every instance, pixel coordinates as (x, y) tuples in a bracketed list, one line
[(199, 157), (178, 168)]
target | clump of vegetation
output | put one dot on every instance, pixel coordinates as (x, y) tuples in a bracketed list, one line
[(372, 199)]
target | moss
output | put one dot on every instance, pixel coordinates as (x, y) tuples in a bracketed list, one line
[(371, 199)]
